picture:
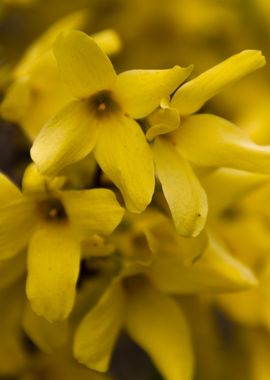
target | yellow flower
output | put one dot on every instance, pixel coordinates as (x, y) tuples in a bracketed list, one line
[(36, 93), (101, 118), (52, 223), (13, 356), (184, 141), (151, 261)]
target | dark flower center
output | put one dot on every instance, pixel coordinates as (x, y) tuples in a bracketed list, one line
[(103, 104), (52, 210)]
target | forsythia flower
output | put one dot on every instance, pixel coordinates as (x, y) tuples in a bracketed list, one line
[(36, 93), (101, 118), (183, 141), (52, 223), (154, 260)]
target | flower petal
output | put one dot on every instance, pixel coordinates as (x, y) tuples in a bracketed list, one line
[(215, 271), (141, 91), (47, 336), (108, 40), (98, 331), (163, 239), (45, 41), (16, 101), (66, 138), (124, 155), (183, 191), (53, 268), (92, 211), (13, 357), (162, 121), (209, 140), (192, 95), (8, 191), (17, 222), (12, 269), (225, 187), (155, 322), (83, 66)]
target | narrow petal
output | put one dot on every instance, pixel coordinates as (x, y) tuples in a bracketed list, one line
[(225, 187), (47, 336), (12, 269), (141, 91), (8, 191), (83, 66), (124, 155), (108, 40), (16, 101), (44, 42), (92, 211), (66, 138), (192, 95), (98, 331), (17, 223), (155, 322), (163, 239), (209, 140), (53, 268), (183, 191), (13, 357), (215, 271), (162, 121)]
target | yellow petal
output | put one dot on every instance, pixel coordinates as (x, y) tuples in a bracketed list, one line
[(163, 239), (34, 182), (192, 95), (183, 191), (65, 139), (47, 336), (141, 91), (155, 322), (92, 211), (98, 331), (8, 191), (17, 222), (162, 121), (83, 66), (16, 101), (13, 357), (215, 271), (108, 40), (209, 140), (45, 41), (124, 155), (12, 269), (225, 187), (53, 268)]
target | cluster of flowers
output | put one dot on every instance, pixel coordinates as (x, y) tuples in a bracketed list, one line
[(112, 219)]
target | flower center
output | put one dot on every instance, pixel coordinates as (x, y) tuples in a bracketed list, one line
[(52, 210), (103, 103)]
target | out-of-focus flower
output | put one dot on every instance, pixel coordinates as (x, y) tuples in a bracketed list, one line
[(52, 223), (152, 260), (102, 117), (37, 93)]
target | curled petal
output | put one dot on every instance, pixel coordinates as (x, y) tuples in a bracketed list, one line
[(141, 91), (183, 191), (192, 95)]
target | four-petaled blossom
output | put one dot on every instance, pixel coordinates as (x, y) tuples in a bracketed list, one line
[(184, 141), (101, 118), (52, 223)]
